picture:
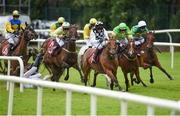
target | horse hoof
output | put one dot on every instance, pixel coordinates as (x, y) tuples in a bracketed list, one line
[(151, 81), (82, 80), (54, 89), (171, 78), (92, 85), (66, 78)]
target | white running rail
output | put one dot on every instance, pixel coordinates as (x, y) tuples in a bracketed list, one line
[(10, 58), (151, 102)]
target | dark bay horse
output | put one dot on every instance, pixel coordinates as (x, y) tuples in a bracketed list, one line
[(128, 62), (66, 58), (21, 48), (108, 63), (149, 56)]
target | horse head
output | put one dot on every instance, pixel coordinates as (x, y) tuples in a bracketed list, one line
[(112, 47), (73, 34), (29, 33), (150, 39), (130, 50)]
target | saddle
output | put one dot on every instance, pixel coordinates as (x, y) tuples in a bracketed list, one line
[(53, 48), (92, 55)]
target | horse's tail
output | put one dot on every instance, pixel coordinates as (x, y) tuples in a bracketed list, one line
[(80, 61)]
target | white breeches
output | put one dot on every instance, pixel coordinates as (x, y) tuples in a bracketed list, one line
[(12, 38)]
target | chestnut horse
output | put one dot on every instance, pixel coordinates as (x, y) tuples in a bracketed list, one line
[(127, 57), (66, 58), (107, 64), (149, 56), (21, 48)]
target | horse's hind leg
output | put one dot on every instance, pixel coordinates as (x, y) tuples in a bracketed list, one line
[(157, 64), (94, 81)]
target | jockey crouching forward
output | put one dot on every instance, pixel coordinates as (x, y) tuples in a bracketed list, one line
[(61, 34), (123, 34), (88, 27), (57, 24), (137, 32), (13, 27), (97, 38)]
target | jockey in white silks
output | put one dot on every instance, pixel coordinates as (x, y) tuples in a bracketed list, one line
[(97, 39)]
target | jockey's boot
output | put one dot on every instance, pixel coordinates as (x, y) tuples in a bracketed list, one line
[(38, 60), (143, 64), (10, 49), (95, 56)]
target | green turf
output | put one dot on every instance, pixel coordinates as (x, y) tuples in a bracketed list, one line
[(54, 101)]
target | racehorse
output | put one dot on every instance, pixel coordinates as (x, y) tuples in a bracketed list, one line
[(107, 64), (149, 56), (20, 49), (65, 58), (127, 57)]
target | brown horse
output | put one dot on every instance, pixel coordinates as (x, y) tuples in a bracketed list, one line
[(128, 62), (21, 48), (149, 56), (66, 58), (108, 63)]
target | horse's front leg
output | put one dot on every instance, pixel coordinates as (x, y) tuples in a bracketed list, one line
[(126, 80), (113, 78), (151, 75), (94, 81), (139, 78)]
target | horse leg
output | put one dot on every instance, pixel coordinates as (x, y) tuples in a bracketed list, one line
[(112, 84), (132, 79), (139, 78), (79, 70), (86, 71), (151, 75), (67, 74), (112, 76), (157, 64), (94, 81), (126, 80)]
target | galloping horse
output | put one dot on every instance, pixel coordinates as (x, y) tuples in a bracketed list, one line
[(127, 57), (149, 56), (21, 48), (108, 63), (66, 58)]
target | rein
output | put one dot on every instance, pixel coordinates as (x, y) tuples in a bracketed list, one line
[(67, 50), (129, 58)]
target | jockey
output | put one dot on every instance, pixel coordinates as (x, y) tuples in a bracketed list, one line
[(138, 31), (97, 38), (12, 27), (122, 33), (88, 27), (61, 34), (57, 24)]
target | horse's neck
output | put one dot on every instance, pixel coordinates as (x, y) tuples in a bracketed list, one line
[(71, 46), (22, 46)]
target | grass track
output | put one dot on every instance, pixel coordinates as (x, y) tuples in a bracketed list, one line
[(54, 102)]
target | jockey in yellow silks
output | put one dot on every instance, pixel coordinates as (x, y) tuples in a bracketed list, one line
[(88, 27), (13, 27), (57, 24), (61, 33)]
